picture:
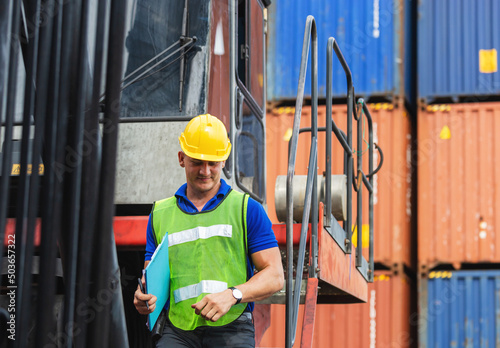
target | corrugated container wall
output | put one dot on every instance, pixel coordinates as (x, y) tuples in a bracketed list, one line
[(386, 320), (458, 187), (459, 309), (458, 44), (370, 33), (392, 198)]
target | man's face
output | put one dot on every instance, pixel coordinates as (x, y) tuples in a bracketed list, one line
[(201, 176)]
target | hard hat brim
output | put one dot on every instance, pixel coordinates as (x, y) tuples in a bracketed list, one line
[(206, 157)]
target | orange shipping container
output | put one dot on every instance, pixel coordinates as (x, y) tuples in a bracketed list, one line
[(386, 320), (392, 185), (458, 188)]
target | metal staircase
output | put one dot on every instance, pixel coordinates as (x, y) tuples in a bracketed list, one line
[(329, 277)]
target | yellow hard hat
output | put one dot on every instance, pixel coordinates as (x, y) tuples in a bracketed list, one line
[(205, 138)]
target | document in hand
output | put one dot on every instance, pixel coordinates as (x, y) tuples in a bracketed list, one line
[(157, 276)]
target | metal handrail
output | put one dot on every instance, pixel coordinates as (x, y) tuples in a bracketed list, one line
[(311, 199), (360, 181), (347, 145), (362, 178), (368, 183)]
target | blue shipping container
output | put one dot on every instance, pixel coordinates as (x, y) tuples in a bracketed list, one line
[(370, 33), (460, 309), (458, 44)]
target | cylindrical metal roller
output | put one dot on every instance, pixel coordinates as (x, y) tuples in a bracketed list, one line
[(299, 194), (339, 196)]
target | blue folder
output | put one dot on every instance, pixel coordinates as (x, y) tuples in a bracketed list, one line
[(157, 274)]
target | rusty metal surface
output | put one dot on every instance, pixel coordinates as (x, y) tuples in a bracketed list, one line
[(458, 194), (309, 313), (386, 320), (340, 280), (219, 89), (262, 320), (339, 269), (280, 233), (392, 208)]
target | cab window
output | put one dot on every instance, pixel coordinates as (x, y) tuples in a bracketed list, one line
[(250, 137)]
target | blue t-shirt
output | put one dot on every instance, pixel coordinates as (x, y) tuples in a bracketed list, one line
[(260, 235)]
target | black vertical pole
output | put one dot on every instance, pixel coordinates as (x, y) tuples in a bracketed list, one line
[(47, 327), (41, 97), (9, 117), (59, 167), (75, 144), (24, 236), (66, 101), (90, 180), (110, 326)]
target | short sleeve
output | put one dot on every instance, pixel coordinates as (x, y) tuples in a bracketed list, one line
[(150, 241), (260, 233)]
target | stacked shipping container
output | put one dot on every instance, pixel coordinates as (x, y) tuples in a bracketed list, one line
[(392, 208), (375, 38), (372, 34), (393, 240), (458, 194), (458, 43), (460, 309), (384, 321)]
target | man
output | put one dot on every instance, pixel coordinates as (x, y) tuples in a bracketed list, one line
[(217, 236)]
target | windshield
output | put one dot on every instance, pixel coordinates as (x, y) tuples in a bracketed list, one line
[(166, 58)]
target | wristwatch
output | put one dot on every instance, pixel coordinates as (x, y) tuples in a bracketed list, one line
[(236, 294)]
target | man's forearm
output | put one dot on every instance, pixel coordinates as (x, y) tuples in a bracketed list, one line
[(269, 278), (262, 285)]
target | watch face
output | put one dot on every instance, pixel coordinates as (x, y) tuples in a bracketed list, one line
[(237, 294)]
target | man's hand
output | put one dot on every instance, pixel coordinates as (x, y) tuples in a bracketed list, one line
[(140, 300), (213, 306)]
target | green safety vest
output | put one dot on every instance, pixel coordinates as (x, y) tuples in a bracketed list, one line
[(207, 254)]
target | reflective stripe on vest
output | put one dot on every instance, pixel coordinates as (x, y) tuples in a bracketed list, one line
[(195, 290), (200, 233)]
